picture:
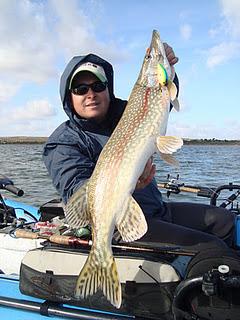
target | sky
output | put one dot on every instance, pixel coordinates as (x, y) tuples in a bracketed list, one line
[(38, 38)]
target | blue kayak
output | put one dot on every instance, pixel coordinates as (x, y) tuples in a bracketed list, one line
[(22, 210), (38, 272), (14, 305)]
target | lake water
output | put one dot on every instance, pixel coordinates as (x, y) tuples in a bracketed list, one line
[(201, 165)]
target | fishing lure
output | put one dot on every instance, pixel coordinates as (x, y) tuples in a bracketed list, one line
[(162, 75)]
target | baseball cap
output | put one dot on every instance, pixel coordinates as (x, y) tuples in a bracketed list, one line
[(97, 70)]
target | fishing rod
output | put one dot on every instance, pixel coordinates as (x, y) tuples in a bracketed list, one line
[(173, 185), (75, 242)]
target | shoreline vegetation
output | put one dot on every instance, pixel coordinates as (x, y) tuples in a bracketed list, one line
[(42, 140)]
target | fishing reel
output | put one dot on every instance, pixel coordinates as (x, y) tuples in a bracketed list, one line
[(173, 185)]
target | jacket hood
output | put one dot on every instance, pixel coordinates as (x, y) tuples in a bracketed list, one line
[(67, 74)]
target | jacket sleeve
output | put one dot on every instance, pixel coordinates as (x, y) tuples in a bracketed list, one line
[(68, 167), (176, 81)]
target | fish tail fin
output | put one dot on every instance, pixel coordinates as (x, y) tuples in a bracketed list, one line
[(96, 275)]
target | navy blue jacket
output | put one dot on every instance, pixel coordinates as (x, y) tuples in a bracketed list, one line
[(72, 150)]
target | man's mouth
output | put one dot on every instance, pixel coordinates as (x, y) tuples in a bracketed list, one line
[(92, 104)]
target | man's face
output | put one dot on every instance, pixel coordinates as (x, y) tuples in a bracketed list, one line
[(92, 105)]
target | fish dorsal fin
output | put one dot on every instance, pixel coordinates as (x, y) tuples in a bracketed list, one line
[(131, 223), (168, 144), (76, 208), (169, 158)]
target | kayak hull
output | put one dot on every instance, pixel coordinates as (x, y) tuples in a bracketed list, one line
[(15, 305)]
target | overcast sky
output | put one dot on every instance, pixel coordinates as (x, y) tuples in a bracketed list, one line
[(38, 38)]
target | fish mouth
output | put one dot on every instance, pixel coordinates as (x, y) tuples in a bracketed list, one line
[(155, 48)]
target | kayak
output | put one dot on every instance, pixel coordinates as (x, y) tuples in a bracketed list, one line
[(14, 305), (40, 264)]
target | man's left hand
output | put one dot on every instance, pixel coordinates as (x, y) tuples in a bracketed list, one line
[(147, 175), (172, 59)]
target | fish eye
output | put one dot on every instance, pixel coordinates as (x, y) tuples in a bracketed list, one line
[(148, 54)]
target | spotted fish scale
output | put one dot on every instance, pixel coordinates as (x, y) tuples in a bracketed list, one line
[(105, 200)]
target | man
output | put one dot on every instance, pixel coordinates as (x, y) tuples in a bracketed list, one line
[(71, 153)]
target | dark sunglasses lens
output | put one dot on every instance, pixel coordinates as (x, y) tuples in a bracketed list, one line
[(98, 86), (81, 90)]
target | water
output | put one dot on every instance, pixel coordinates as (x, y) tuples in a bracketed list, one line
[(23, 164), (201, 165)]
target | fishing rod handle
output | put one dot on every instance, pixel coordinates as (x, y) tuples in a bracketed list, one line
[(10, 187), (7, 184), (68, 240), (191, 189), (58, 239), (20, 233)]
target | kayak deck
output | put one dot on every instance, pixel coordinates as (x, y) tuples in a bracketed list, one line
[(17, 306)]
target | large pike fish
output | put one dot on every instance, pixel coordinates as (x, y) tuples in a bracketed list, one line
[(105, 201)]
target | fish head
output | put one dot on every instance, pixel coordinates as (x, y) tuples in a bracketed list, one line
[(156, 71)]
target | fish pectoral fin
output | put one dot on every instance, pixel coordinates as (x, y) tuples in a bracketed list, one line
[(169, 159), (175, 104), (168, 144), (172, 89), (95, 275), (76, 208), (131, 223)]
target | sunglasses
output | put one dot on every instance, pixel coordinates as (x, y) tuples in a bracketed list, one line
[(82, 89)]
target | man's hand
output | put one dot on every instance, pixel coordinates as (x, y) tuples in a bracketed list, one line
[(147, 175), (172, 59)]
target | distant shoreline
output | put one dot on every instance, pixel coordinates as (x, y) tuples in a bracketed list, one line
[(22, 140), (211, 142), (42, 140)]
